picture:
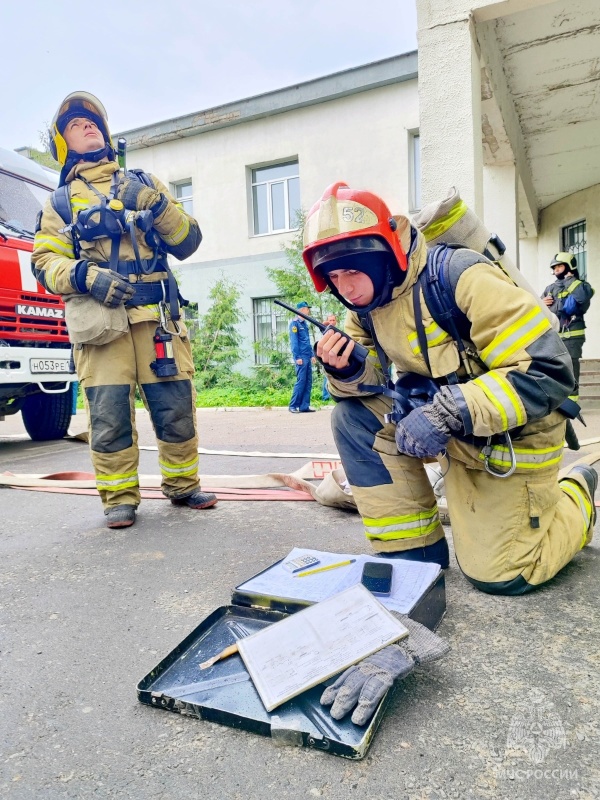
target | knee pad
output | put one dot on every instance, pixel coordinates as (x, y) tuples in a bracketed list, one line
[(110, 418), (171, 410)]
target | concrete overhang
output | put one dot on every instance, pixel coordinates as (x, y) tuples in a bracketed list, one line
[(541, 89), (330, 87)]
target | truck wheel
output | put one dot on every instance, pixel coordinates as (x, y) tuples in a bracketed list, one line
[(47, 416)]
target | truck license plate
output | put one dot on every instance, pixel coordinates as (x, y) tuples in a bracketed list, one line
[(49, 364)]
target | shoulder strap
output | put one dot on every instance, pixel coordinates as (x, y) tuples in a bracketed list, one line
[(61, 203), (438, 292)]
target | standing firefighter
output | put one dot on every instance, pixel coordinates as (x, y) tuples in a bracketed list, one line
[(569, 298), (101, 244), (488, 410)]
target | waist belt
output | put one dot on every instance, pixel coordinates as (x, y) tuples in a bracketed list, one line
[(144, 267), (146, 294)]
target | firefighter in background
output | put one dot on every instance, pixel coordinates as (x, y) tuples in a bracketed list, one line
[(569, 298), (303, 356), (128, 267), (511, 533)]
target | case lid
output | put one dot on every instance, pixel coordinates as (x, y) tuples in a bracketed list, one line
[(224, 693)]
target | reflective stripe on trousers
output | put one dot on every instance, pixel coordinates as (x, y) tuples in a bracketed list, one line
[(392, 491)]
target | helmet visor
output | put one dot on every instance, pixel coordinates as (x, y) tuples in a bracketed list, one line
[(81, 104), (344, 252)]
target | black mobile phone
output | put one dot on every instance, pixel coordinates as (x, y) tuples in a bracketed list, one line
[(377, 577)]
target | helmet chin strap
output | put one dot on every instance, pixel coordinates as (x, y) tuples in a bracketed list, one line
[(95, 155), (73, 157)]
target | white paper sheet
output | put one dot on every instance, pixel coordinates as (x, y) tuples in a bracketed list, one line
[(410, 581), (308, 647)]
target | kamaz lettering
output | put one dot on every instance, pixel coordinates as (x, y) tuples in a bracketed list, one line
[(39, 311)]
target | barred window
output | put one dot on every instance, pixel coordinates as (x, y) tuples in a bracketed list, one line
[(270, 321), (574, 240)]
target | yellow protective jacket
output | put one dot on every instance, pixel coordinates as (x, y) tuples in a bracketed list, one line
[(53, 258), (523, 371)]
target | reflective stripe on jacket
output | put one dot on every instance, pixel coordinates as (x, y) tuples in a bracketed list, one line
[(53, 259), (522, 369)]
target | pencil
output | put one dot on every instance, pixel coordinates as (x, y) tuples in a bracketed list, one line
[(229, 651), (324, 569)]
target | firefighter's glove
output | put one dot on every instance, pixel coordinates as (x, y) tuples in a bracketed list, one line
[(136, 196), (364, 684), (426, 430), (106, 286)]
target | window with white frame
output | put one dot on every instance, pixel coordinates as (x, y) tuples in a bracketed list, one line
[(270, 321), (414, 160), (275, 198), (182, 190), (574, 240)]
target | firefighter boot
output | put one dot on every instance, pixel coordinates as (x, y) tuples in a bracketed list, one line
[(437, 552), (590, 476), (197, 499), (120, 516)]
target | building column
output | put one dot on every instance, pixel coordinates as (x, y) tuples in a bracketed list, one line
[(501, 206), (450, 113)]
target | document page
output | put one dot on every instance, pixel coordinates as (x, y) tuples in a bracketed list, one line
[(411, 579), (308, 647)]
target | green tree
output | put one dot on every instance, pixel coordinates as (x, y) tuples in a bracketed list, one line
[(294, 283), (43, 156), (217, 345)]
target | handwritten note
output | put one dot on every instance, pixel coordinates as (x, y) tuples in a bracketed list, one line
[(308, 647)]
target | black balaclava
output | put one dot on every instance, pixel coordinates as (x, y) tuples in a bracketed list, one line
[(368, 254), (564, 273)]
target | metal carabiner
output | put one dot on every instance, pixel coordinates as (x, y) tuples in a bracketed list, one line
[(162, 306), (487, 451)]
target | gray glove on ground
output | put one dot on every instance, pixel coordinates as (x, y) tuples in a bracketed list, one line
[(363, 685)]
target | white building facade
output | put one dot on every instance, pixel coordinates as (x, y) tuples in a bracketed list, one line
[(505, 109), (510, 90), (246, 168)]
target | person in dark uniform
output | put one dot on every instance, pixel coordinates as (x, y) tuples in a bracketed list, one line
[(569, 298), (302, 353)]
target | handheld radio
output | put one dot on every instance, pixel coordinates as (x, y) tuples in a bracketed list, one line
[(360, 352)]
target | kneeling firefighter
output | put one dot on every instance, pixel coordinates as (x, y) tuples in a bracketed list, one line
[(102, 243), (485, 402)]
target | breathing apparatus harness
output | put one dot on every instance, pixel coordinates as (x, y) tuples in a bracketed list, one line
[(411, 391), (111, 220)]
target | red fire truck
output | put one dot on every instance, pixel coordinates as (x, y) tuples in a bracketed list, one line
[(34, 346)]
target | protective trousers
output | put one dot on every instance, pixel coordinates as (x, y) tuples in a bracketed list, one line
[(109, 375), (575, 348), (510, 535), (303, 386)]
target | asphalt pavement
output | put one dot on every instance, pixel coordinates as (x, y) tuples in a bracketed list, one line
[(86, 612)]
